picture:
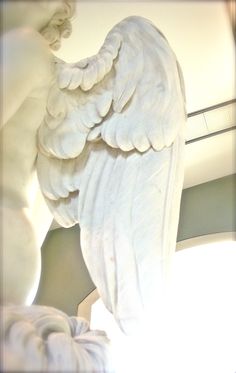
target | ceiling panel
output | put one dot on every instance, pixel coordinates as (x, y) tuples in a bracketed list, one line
[(211, 121), (221, 118), (210, 159), (196, 127)]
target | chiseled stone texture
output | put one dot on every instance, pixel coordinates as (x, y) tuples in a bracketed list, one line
[(44, 339)]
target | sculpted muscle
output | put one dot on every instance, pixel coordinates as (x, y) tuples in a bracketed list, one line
[(29, 30), (27, 73)]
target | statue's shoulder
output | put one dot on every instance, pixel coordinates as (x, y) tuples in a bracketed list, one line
[(26, 53), (26, 41)]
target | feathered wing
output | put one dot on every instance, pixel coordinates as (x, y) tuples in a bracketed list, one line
[(111, 159)]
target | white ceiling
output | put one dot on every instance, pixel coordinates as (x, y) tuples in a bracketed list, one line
[(201, 36)]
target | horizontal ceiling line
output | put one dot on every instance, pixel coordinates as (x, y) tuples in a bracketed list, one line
[(211, 135), (217, 106)]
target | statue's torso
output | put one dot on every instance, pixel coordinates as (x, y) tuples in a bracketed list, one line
[(28, 72), (26, 221)]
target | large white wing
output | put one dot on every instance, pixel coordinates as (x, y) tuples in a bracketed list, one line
[(111, 158)]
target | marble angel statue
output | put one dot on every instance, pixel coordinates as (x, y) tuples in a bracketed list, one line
[(108, 148)]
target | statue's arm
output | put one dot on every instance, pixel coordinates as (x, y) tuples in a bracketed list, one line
[(27, 65)]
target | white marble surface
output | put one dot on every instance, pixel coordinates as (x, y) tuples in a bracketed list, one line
[(27, 73), (110, 132), (111, 159), (24, 103), (44, 339)]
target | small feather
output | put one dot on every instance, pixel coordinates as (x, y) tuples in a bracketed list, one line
[(65, 77), (139, 139), (104, 103), (75, 79), (56, 105), (93, 114), (83, 63), (94, 134), (85, 119), (108, 60), (89, 77), (101, 68)]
